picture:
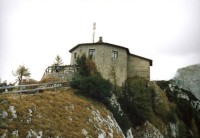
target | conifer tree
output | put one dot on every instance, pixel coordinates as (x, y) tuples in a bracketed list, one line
[(58, 61)]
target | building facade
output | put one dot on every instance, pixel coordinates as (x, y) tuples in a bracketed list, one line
[(114, 62)]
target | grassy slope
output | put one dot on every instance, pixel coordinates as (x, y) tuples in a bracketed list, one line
[(60, 113), (162, 106)]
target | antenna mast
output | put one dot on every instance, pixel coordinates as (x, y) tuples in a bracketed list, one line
[(94, 27)]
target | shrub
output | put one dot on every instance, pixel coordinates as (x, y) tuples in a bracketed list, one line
[(121, 118), (93, 86), (90, 82), (171, 116), (83, 69), (136, 100), (184, 132), (165, 86), (184, 111), (2, 85)]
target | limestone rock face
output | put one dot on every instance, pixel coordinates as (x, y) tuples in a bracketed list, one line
[(148, 130), (188, 78)]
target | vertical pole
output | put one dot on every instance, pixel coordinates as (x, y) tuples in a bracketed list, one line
[(94, 27)]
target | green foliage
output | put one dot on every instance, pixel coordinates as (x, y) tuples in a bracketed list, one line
[(183, 131), (4, 84), (90, 82), (197, 119), (194, 129), (93, 86), (113, 77), (136, 100), (58, 61), (165, 86), (184, 111), (171, 116), (83, 69), (160, 108), (121, 118)]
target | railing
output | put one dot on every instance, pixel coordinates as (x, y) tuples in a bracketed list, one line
[(31, 88)]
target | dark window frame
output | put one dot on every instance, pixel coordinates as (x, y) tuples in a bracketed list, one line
[(115, 54), (91, 53), (75, 55)]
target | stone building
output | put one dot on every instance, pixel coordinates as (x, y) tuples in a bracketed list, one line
[(114, 62)]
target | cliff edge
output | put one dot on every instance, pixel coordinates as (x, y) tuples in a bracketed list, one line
[(188, 78)]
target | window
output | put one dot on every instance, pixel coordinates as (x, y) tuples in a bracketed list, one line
[(75, 54), (91, 53), (114, 54)]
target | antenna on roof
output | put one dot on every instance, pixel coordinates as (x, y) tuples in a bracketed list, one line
[(94, 27)]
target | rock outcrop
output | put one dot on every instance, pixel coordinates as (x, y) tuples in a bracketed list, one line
[(60, 114), (188, 78)]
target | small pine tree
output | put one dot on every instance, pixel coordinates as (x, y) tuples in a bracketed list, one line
[(83, 69), (91, 67), (58, 61)]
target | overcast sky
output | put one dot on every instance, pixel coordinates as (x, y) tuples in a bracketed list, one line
[(33, 32)]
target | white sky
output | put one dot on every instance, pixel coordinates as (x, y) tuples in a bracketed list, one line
[(33, 32)]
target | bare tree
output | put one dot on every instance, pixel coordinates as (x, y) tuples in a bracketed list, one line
[(21, 72)]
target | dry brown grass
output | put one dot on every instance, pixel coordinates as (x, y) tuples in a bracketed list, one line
[(60, 113), (162, 108)]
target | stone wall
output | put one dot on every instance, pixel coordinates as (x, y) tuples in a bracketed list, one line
[(138, 66), (62, 76), (114, 69)]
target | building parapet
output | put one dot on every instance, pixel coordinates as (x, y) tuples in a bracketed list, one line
[(59, 73)]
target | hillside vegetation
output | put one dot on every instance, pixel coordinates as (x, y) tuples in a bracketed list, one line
[(55, 114), (158, 113), (186, 109), (148, 108), (94, 107)]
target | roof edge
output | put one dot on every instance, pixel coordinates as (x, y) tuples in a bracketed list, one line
[(99, 44), (150, 60)]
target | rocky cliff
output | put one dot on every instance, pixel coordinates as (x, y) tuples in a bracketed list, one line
[(186, 110), (188, 78)]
